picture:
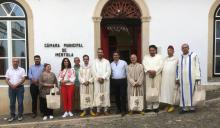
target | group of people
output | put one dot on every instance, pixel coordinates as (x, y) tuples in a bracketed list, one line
[(86, 87)]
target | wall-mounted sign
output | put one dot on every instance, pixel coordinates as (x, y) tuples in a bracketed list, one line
[(64, 47)]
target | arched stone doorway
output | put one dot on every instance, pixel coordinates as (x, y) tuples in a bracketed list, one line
[(120, 29), (129, 18)]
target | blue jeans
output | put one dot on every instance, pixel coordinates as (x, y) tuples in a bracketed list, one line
[(19, 94)]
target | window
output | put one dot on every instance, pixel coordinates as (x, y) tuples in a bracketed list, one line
[(13, 36)]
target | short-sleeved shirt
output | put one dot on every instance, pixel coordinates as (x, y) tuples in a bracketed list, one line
[(15, 75)]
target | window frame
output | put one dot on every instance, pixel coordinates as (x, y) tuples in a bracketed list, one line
[(14, 18)]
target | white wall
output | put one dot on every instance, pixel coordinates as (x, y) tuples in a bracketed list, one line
[(58, 21), (177, 21), (173, 22)]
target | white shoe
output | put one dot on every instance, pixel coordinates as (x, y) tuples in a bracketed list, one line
[(70, 114), (65, 115), (51, 117), (45, 118)]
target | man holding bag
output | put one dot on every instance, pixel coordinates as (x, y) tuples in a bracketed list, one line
[(86, 87), (152, 67), (135, 76), (101, 73), (189, 75)]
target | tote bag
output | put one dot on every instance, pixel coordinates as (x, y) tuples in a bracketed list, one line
[(176, 96), (53, 101), (152, 94), (86, 98), (136, 101), (100, 100), (199, 95)]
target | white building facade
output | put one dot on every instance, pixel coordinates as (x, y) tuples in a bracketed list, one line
[(55, 29)]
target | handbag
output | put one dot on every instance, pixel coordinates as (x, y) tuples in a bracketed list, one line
[(53, 101), (176, 96), (152, 94), (136, 102), (199, 95)]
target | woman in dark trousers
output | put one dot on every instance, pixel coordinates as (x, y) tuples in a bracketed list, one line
[(46, 82)]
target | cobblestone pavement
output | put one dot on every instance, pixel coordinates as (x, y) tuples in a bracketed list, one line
[(212, 94), (206, 117)]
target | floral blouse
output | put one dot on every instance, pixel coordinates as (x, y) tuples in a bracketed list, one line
[(67, 75)]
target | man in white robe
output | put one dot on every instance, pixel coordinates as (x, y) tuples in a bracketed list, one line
[(101, 73), (86, 87), (188, 75), (152, 67), (168, 83)]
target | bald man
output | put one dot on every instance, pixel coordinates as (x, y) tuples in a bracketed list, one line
[(135, 76), (15, 77), (188, 75), (76, 97)]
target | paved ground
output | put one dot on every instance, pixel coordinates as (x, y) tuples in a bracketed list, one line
[(206, 117), (212, 94)]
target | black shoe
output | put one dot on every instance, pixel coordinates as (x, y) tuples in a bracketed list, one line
[(156, 110), (147, 110), (182, 111), (10, 119), (34, 115), (20, 118)]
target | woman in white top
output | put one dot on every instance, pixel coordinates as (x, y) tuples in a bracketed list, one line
[(66, 78)]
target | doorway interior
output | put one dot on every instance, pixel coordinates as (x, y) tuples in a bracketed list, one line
[(123, 35)]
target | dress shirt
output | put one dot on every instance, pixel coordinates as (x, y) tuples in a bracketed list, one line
[(35, 71), (119, 69)]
